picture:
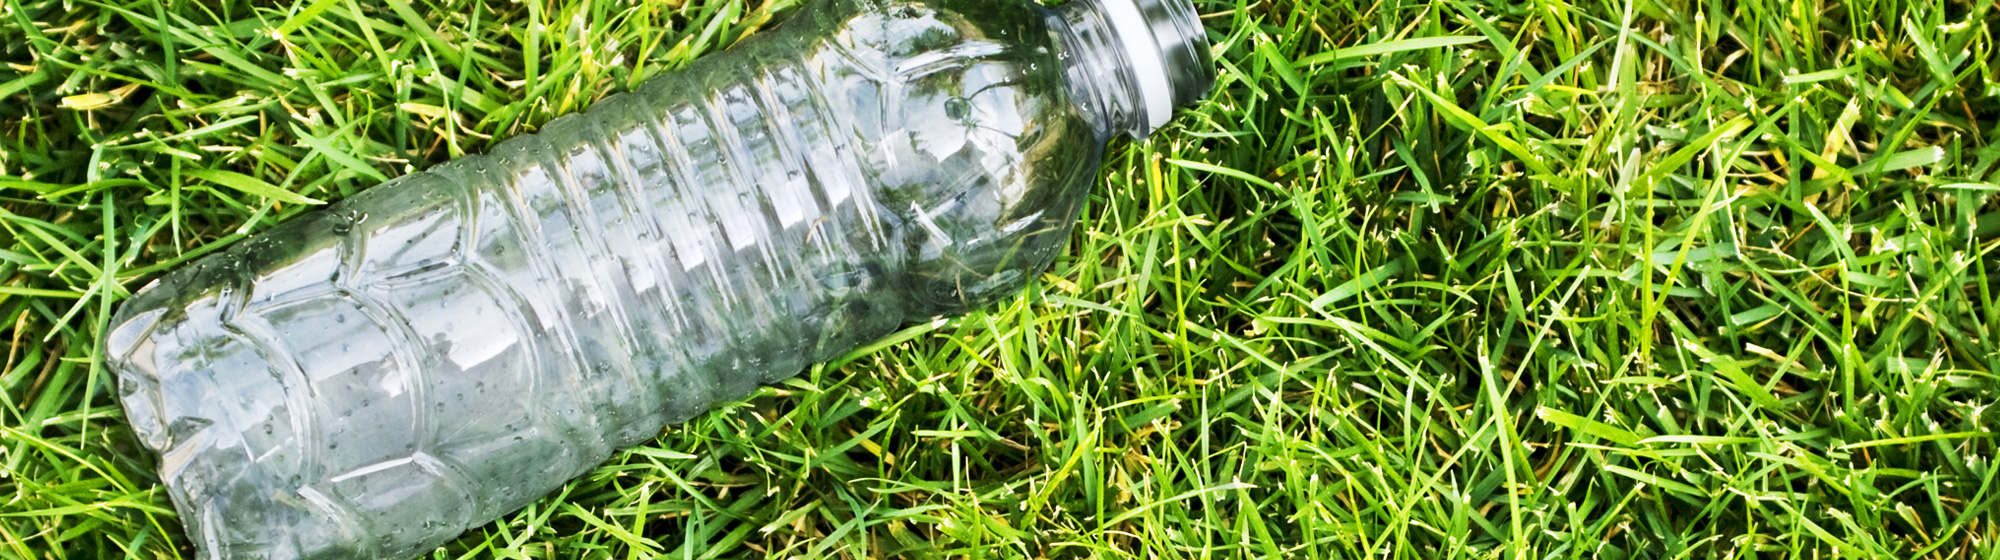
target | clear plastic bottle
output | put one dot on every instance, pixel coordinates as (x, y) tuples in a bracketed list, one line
[(374, 378)]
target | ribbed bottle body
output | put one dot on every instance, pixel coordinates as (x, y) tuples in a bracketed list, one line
[(372, 379)]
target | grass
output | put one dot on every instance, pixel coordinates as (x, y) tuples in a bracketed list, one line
[(1466, 279)]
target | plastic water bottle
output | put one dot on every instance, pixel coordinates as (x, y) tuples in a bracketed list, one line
[(374, 378)]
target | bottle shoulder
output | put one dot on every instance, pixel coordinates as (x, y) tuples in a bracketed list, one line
[(968, 131)]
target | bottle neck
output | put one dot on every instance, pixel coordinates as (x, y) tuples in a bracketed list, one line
[(1100, 81), (1131, 62)]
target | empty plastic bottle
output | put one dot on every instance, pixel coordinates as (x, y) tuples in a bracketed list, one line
[(372, 379)]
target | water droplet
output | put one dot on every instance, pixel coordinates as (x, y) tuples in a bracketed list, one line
[(957, 108)]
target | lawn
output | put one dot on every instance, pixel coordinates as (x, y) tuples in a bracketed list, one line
[(1467, 279)]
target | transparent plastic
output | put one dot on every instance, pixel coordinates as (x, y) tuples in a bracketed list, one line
[(374, 378)]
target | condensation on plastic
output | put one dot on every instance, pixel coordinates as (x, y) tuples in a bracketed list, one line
[(372, 379)]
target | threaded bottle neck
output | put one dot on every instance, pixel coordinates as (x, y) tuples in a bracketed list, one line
[(1132, 62)]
